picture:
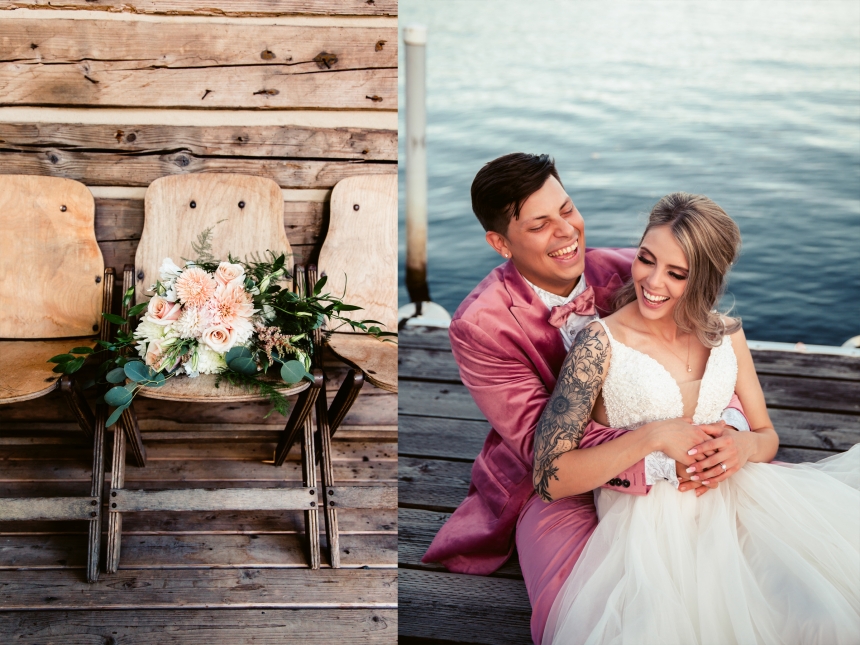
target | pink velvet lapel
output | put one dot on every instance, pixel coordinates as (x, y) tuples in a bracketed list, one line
[(532, 315)]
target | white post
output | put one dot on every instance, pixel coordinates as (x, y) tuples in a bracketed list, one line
[(421, 311)]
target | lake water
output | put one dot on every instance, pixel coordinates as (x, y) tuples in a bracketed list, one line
[(755, 104)]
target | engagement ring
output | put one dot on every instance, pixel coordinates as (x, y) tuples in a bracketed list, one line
[(724, 467)]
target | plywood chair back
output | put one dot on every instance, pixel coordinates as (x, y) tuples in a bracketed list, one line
[(51, 266), (245, 213), (360, 249)]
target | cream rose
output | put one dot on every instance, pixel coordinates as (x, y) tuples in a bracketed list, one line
[(154, 354), (219, 338), (162, 312), (229, 274)]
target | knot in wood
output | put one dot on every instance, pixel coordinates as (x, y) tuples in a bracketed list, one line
[(182, 161), (380, 44), (267, 55), (375, 98), (325, 60)]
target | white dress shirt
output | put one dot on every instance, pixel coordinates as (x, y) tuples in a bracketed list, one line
[(658, 465)]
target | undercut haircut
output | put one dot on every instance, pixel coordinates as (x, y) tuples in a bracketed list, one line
[(502, 186)]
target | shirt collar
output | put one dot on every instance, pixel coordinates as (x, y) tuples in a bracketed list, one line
[(553, 300)]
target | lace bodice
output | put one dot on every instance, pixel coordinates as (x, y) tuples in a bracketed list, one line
[(639, 390)]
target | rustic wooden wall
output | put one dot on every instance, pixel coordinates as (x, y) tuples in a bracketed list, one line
[(116, 93)]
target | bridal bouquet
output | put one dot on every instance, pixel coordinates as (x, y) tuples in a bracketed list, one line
[(229, 318)]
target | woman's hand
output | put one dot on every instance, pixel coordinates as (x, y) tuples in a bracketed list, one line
[(732, 451), (676, 437)]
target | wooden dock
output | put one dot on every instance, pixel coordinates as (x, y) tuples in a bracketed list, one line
[(813, 400), (215, 577)]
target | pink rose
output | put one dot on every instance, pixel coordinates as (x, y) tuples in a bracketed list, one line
[(163, 312), (154, 354), (230, 274), (219, 338)]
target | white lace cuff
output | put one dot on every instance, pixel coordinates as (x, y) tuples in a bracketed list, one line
[(735, 419), (659, 465)]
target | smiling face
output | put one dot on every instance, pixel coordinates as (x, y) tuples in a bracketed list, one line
[(659, 273), (547, 242)]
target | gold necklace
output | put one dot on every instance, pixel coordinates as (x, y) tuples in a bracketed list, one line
[(689, 369)]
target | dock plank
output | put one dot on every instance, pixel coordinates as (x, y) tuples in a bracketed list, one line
[(200, 627)]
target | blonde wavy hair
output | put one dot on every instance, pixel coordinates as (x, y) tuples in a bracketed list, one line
[(711, 242)]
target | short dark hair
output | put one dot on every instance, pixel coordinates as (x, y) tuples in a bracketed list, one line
[(502, 185)]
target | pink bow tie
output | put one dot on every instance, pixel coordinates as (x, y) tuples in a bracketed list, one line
[(582, 305)]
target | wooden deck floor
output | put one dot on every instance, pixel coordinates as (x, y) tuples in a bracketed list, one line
[(814, 402), (218, 577)]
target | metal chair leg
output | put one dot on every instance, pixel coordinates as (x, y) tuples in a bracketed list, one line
[(117, 481), (98, 480)]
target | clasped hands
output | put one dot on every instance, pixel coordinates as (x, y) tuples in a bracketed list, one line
[(700, 451)]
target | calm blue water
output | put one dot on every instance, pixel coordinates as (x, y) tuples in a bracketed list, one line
[(755, 104)]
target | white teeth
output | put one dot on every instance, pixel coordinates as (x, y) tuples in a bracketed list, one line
[(653, 298), (564, 251)]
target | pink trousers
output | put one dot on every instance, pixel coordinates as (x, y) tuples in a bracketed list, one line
[(550, 538)]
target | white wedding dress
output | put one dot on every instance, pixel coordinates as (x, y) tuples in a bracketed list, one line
[(771, 556)]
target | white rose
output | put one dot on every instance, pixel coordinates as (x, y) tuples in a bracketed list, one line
[(229, 274), (219, 338), (168, 271)]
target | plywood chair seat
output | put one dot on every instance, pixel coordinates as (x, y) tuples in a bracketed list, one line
[(25, 372), (202, 389), (378, 360)]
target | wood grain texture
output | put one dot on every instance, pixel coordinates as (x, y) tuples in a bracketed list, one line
[(117, 169), (47, 242), (25, 372), (378, 360), (47, 508), (107, 63), (225, 141), (362, 243), (223, 499), (241, 8), (463, 609), (194, 589), (178, 209), (201, 627)]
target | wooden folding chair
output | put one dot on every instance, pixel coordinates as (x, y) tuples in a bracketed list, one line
[(53, 287), (361, 245), (246, 216)]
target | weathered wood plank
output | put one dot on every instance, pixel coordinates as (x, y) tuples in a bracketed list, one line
[(122, 219), (195, 589), (202, 551), (240, 8), (259, 87), (47, 508), (222, 499), (417, 530), (200, 627), (115, 169), (424, 338), (438, 365), (461, 439), (225, 141), (452, 400), (463, 609), (369, 497), (358, 521)]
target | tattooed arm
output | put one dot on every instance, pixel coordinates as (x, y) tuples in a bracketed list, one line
[(561, 468)]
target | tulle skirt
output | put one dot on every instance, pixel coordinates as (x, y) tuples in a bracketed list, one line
[(771, 556)]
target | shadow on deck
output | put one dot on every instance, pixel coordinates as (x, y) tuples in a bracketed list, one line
[(813, 401)]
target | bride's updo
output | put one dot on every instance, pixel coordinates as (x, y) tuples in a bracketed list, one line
[(711, 242)]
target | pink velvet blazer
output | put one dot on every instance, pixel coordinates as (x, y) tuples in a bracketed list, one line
[(509, 358)]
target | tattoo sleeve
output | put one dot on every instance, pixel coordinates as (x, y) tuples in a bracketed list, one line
[(568, 410)]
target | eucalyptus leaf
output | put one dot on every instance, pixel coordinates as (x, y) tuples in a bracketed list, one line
[(293, 371), (158, 381), (115, 415), (117, 396), (116, 375), (237, 352), (243, 365), (137, 371)]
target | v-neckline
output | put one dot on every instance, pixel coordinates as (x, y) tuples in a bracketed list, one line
[(665, 371)]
